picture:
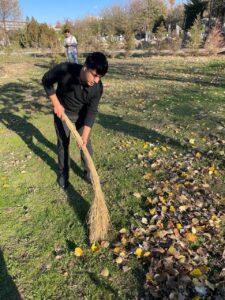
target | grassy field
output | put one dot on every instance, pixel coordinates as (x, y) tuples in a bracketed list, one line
[(158, 138)]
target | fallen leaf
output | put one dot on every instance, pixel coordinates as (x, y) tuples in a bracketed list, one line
[(105, 272), (78, 252), (95, 247), (196, 272), (119, 260), (190, 237), (138, 252)]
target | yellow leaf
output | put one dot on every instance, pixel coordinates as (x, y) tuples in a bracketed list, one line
[(145, 146), (152, 211), (192, 141), (197, 297), (147, 176), (182, 259), (179, 226), (171, 250), (200, 228), (191, 237), (162, 199), (172, 208), (196, 272), (214, 218), (184, 174), (138, 252), (164, 208), (212, 168), (119, 260), (123, 230), (124, 241), (149, 200), (148, 277), (78, 252), (198, 155), (137, 195), (123, 253), (105, 272), (147, 254), (94, 247), (116, 250)]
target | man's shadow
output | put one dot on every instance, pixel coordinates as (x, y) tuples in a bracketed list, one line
[(34, 138), (8, 289)]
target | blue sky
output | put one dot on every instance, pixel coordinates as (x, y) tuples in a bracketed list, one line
[(50, 11)]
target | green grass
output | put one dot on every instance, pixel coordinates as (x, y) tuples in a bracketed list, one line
[(165, 101)]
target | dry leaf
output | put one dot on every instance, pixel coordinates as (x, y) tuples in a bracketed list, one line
[(105, 272), (190, 237), (78, 252), (119, 260), (138, 252), (196, 272)]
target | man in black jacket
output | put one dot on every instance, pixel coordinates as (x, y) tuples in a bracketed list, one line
[(79, 89)]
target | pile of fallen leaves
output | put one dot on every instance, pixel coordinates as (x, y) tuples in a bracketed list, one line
[(180, 240)]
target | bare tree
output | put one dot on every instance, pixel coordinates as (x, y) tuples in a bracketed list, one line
[(9, 11), (171, 3)]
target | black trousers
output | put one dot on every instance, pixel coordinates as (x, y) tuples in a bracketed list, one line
[(63, 141)]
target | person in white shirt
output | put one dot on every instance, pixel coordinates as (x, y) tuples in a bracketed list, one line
[(70, 43)]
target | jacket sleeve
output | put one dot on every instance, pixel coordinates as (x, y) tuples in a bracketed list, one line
[(53, 76), (92, 108), (73, 42)]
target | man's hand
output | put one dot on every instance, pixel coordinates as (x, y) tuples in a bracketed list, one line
[(85, 135), (84, 139), (59, 111), (58, 108)]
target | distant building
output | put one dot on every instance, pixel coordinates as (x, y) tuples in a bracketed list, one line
[(12, 25)]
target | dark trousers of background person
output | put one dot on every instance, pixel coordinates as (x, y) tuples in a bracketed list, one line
[(63, 141)]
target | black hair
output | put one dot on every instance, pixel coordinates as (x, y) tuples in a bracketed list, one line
[(66, 30), (97, 61)]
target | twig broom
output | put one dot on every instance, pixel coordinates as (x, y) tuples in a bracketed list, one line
[(98, 218)]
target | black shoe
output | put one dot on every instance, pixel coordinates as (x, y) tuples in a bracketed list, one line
[(63, 181)]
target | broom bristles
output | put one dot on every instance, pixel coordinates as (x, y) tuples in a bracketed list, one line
[(98, 217)]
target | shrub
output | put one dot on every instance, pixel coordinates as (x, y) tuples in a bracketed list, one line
[(215, 39)]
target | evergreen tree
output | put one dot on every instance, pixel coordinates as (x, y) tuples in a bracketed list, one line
[(191, 10), (196, 33)]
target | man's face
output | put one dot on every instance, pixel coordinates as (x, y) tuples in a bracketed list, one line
[(67, 34), (91, 77)]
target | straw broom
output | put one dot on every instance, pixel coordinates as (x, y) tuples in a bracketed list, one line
[(98, 218)]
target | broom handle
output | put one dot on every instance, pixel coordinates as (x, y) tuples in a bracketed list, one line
[(79, 140)]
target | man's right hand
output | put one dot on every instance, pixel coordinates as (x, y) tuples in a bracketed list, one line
[(59, 111), (58, 108)]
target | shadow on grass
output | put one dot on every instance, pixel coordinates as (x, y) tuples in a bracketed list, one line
[(8, 289), (100, 283), (118, 124), (40, 146), (140, 275), (131, 70), (16, 96), (103, 284)]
